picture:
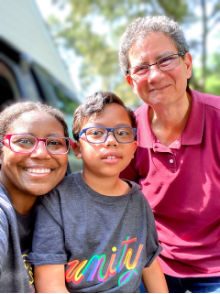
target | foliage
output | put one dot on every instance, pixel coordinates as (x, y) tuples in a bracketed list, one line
[(213, 75), (93, 29)]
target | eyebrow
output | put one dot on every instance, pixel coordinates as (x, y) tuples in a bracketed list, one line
[(55, 135), (101, 125), (48, 135), (164, 54)]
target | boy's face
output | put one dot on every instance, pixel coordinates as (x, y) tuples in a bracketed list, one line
[(108, 158)]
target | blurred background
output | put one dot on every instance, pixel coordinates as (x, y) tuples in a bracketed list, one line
[(88, 32), (61, 51)]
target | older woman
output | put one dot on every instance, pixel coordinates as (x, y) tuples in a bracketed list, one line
[(33, 159), (177, 162)]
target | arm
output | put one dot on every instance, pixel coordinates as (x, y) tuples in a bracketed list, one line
[(48, 249), (3, 238), (50, 279), (153, 278)]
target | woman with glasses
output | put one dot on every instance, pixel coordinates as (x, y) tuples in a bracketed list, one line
[(177, 162), (33, 157)]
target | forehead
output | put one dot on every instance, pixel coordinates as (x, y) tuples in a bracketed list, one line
[(111, 115), (153, 45), (37, 123)]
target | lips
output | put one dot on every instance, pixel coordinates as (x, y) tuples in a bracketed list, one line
[(38, 170), (158, 89), (111, 157)]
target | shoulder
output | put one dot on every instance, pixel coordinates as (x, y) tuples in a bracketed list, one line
[(3, 220), (4, 237), (63, 191), (5, 203), (208, 100), (6, 216), (67, 182), (142, 110), (70, 180), (140, 203), (136, 192)]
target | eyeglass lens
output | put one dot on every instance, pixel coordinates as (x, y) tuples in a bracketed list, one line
[(27, 143), (99, 135), (166, 63)]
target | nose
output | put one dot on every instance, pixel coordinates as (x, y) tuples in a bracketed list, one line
[(111, 140), (40, 151), (154, 73)]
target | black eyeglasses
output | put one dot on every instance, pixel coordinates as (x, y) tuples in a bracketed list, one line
[(97, 135), (166, 63)]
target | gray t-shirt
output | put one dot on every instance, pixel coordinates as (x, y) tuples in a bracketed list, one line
[(25, 232), (104, 241), (16, 275)]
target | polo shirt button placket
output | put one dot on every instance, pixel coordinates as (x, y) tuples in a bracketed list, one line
[(172, 163)]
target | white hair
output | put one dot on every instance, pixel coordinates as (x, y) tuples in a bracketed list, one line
[(141, 27)]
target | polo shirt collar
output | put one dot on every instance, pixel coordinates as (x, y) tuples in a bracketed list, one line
[(193, 132)]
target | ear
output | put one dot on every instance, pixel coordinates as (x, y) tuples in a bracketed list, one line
[(135, 144), (129, 81), (188, 63), (77, 150)]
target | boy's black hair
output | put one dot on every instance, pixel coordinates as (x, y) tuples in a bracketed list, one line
[(95, 104)]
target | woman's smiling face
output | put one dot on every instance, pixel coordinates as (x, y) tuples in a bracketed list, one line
[(159, 87), (38, 172)]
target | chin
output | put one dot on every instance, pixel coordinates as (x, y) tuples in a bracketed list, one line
[(112, 174), (36, 191)]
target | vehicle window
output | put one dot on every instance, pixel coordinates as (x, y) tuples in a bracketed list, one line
[(8, 86), (53, 92)]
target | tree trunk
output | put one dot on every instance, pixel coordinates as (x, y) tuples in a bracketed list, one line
[(204, 44)]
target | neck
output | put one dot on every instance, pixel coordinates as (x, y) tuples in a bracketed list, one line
[(21, 201), (23, 204), (168, 122), (106, 185)]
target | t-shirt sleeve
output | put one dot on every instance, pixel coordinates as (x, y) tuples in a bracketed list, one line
[(48, 238), (153, 247), (4, 230)]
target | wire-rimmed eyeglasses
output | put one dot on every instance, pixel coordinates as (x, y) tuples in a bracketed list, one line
[(26, 143), (97, 135), (166, 63)]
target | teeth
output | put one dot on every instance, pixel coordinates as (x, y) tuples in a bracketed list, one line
[(111, 157), (38, 170)]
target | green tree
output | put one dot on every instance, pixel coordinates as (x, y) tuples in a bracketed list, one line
[(210, 19), (93, 29)]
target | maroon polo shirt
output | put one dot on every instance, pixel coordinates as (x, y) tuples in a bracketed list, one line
[(182, 185)]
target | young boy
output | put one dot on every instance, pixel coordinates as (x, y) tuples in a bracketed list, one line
[(94, 231)]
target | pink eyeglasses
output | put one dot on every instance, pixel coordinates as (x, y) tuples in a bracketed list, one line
[(26, 143)]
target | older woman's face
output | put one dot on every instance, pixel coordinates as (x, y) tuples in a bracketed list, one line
[(159, 87), (38, 172)]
